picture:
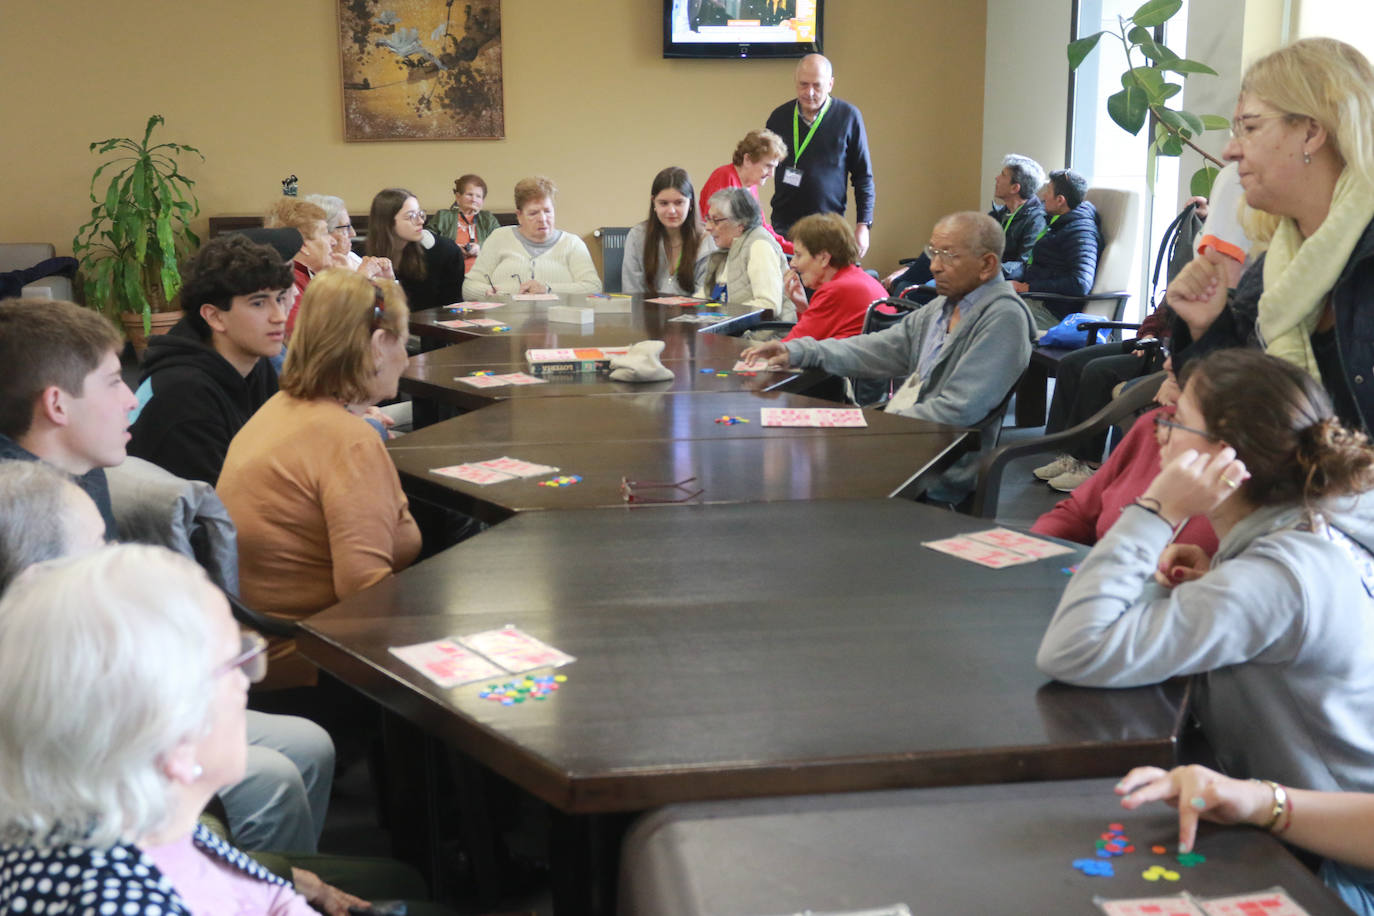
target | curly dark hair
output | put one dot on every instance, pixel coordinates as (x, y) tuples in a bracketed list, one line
[(229, 265)]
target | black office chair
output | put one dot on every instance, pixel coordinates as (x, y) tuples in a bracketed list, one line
[(612, 255), (1136, 398)]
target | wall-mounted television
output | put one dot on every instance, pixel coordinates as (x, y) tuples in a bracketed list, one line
[(741, 28)]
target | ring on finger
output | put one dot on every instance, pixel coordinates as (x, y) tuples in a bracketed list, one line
[(1230, 483)]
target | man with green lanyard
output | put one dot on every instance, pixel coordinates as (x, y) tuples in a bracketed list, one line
[(1015, 206), (829, 147)]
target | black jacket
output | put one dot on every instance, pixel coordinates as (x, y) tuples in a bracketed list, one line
[(93, 482), (1021, 232), (1350, 382), (443, 280), (192, 403), (1064, 261), (837, 151)]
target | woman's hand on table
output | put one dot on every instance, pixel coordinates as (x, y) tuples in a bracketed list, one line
[(324, 897), (773, 353), (1197, 793), (1195, 483), (534, 286)]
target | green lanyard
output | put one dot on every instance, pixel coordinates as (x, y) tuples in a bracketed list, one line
[(800, 145), (1012, 215), (1030, 255)]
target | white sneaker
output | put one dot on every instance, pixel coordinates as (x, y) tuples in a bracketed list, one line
[(1064, 462), (1067, 481)]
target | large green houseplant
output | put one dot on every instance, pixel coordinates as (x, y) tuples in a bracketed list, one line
[(1154, 74), (139, 229)]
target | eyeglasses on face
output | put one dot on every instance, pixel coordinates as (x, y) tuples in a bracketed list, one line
[(414, 216), (1164, 427), (252, 658), (346, 229), (1242, 126), (717, 220), (944, 254)]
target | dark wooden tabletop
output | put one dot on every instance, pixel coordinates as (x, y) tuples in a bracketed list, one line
[(528, 322), (984, 849), (746, 650), (670, 437)]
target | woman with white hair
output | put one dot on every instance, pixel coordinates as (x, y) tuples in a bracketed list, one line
[(748, 269), (126, 681)]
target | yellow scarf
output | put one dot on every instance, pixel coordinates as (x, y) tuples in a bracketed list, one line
[(1299, 274)]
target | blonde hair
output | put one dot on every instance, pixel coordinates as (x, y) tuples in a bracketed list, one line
[(331, 349), (1331, 83), (294, 213), (759, 144), (530, 189)]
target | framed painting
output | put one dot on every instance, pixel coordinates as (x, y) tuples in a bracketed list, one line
[(421, 69)]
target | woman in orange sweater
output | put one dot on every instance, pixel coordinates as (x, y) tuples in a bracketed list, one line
[(314, 495)]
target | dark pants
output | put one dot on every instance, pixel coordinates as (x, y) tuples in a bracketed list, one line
[(1083, 386)]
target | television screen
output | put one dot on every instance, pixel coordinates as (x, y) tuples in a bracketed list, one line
[(741, 28)]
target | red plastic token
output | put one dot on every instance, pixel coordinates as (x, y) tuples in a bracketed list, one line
[(1158, 850)]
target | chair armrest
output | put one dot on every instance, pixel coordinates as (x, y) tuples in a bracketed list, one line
[(1092, 327), (1059, 297), (1133, 399), (772, 326), (256, 620)]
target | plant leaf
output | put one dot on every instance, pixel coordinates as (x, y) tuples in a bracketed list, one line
[(1201, 183), (1215, 122), (1080, 49), (1147, 78), (1193, 121), (1185, 66), (1128, 109), (1169, 117), (1156, 12), (1171, 90), (1172, 146)]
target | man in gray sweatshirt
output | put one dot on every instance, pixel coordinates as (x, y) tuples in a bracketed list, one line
[(961, 353)]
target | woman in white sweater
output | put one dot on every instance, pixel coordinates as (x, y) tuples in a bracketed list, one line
[(532, 257)]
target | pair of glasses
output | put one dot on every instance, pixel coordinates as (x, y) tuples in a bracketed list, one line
[(944, 254), (1164, 428), (252, 658), (346, 229), (415, 216), (717, 220), (1243, 125), (630, 490)]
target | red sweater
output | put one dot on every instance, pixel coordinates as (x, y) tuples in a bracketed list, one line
[(302, 275), (1093, 506), (837, 307), (727, 177)]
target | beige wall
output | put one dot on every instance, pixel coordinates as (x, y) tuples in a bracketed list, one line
[(589, 101)]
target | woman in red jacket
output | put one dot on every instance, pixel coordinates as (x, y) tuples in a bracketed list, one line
[(823, 261)]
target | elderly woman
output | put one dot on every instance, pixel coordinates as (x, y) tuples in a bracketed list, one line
[(1303, 138), (533, 256), (1278, 622), (756, 158), (317, 245), (309, 485), (466, 222), (106, 795), (666, 254), (824, 261), (747, 270), (429, 267)]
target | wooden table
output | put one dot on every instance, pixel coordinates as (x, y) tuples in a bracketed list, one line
[(671, 436), (528, 322), (435, 375), (986, 849), (745, 650)]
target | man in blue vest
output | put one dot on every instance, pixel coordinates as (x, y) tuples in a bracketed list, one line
[(828, 147)]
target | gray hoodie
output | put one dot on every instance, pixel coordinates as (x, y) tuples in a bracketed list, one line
[(1281, 630)]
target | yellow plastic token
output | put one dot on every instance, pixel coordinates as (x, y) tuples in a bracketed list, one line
[(560, 678)]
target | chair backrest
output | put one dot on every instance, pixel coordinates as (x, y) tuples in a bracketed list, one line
[(1119, 212), (612, 255), (868, 392)]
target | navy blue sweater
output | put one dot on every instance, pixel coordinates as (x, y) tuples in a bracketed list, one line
[(838, 150), (1064, 261)]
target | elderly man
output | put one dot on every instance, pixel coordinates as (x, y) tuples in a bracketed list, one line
[(828, 143), (1014, 204), (963, 351), (748, 267)]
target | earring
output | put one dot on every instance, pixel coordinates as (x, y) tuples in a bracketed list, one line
[(1306, 158), (197, 771)]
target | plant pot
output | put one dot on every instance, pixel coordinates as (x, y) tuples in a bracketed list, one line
[(133, 327)]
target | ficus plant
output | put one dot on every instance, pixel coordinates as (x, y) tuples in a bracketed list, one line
[(139, 226), (1154, 74)]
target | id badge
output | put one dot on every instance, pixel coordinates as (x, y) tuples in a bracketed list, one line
[(792, 177)]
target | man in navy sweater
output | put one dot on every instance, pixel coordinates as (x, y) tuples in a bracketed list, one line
[(827, 146)]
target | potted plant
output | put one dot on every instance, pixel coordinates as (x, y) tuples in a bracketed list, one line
[(139, 228), (1145, 87)]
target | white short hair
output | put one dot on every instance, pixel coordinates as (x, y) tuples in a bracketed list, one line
[(34, 508), (106, 666), (332, 206)]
